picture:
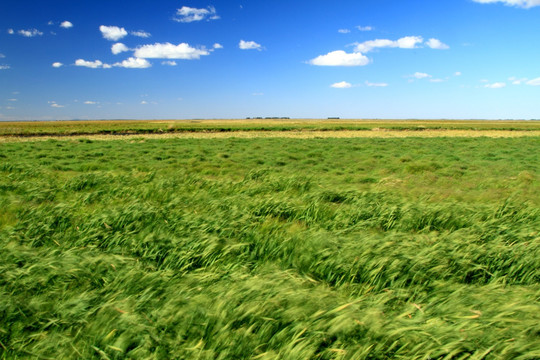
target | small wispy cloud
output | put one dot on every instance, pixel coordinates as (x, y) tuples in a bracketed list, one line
[(420, 75), (66, 24), (29, 33), (365, 28), (497, 85), (54, 104), (249, 45), (376, 84), (141, 34), (57, 64), (344, 31), (526, 4), (341, 85), (169, 63), (91, 64), (4, 67), (88, 102), (534, 82), (188, 14)]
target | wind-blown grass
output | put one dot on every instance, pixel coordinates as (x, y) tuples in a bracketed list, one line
[(270, 249)]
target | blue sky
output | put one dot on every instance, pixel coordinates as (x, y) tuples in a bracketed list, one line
[(303, 59)]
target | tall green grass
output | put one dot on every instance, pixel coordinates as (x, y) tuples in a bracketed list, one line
[(270, 249)]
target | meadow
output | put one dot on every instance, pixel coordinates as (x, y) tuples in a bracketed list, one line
[(270, 248)]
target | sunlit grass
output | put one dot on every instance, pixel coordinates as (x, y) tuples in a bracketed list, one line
[(270, 248)]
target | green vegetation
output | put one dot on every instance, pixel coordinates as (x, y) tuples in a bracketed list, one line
[(121, 127), (270, 249)]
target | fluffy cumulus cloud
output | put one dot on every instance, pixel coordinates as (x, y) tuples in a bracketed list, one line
[(66, 24), (249, 45), (141, 33), (217, 46), (188, 14), (10, 31), (113, 33), (57, 64), (341, 85), (169, 51), (119, 48), (526, 4), (134, 63), (89, 64), (437, 44), (30, 33), (340, 58), (497, 85)]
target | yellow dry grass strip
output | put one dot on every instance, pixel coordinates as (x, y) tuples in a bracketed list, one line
[(376, 133)]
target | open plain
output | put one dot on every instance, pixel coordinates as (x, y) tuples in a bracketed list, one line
[(298, 239)]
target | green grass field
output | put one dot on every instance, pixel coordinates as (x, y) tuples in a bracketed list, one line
[(270, 248)]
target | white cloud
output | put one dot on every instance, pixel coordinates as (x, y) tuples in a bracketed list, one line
[(497, 85), (12, 100), (376, 84), (407, 42), (113, 33), (436, 80), (141, 33), (2, 56), (4, 67), (341, 85), (169, 63), (344, 31), (419, 75), (340, 58), (144, 102), (57, 64), (516, 81), (364, 28), (249, 45), (66, 25), (437, 44), (10, 31), (29, 33), (218, 46), (55, 105), (89, 64), (526, 4), (457, 73), (170, 51), (187, 14), (91, 102), (534, 82), (119, 48), (134, 63)]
